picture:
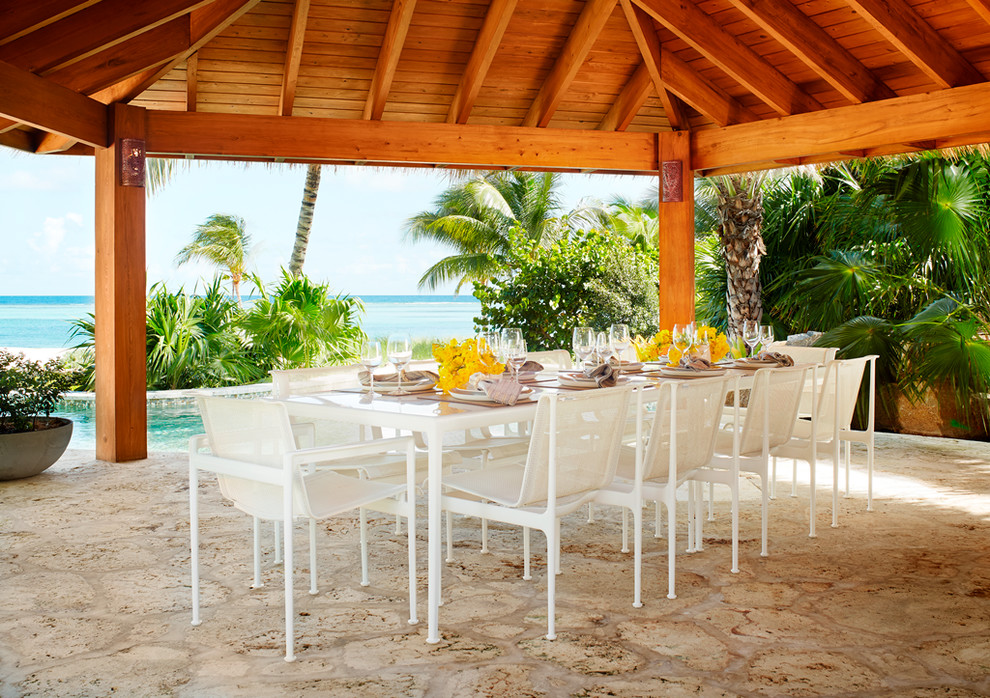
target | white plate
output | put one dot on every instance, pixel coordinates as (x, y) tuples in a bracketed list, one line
[(481, 395), (679, 372), (571, 380), (752, 365), (416, 387), (631, 366)]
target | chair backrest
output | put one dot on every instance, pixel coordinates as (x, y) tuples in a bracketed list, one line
[(306, 381), (252, 432), (801, 354), (559, 359), (773, 407), (691, 411), (837, 394), (588, 433)]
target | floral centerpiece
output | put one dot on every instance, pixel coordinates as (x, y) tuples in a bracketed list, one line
[(458, 361), (662, 343)]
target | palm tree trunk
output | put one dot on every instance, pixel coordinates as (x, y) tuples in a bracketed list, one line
[(310, 190), (740, 210)]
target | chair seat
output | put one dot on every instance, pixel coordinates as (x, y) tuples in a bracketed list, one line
[(500, 485), (331, 493), (391, 466)]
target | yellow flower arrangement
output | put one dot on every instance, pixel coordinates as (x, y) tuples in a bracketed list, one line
[(457, 361), (653, 348), (662, 343)]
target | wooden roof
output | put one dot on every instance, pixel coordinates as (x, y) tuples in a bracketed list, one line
[(387, 70)]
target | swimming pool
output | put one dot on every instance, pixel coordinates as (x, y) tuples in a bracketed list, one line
[(169, 426)]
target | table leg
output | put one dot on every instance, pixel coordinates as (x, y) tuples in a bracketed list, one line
[(435, 452)]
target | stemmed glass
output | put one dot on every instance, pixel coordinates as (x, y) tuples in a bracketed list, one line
[(399, 353), (583, 340), (513, 348), (701, 342), (766, 334), (604, 346), (618, 339), (488, 342), (681, 339), (751, 334), (371, 358)]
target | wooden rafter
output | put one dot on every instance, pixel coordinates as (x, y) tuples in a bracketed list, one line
[(731, 55), (293, 56), (388, 58), (982, 8), (32, 100), (582, 37), (903, 27), (900, 122), (20, 18), (816, 48), (192, 82), (90, 31), (489, 37), (645, 34), (629, 102)]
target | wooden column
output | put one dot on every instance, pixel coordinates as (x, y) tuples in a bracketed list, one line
[(676, 229), (121, 412)]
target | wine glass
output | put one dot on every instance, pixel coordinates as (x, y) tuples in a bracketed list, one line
[(618, 338), (751, 334), (371, 358), (488, 341), (681, 339), (766, 332), (399, 353), (604, 347), (701, 342), (583, 341), (513, 348)]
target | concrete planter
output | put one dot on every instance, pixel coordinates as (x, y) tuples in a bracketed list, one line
[(935, 414), (28, 453)]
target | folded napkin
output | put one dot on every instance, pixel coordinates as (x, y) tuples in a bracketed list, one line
[(502, 389), (696, 363), (531, 367), (604, 375), (410, 377), (775, 356)]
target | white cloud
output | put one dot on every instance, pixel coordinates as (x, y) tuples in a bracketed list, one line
[(75, 218), (22, 179), (48, 240)]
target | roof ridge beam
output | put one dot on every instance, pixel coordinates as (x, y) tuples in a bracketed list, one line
[(730, 55), (645, 33), (579, 42), (485, 45), (910, 34), (388, 58), (800, 35), (632, 98), (293, 56)]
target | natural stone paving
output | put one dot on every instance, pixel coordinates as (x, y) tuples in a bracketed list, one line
[(94, 597)]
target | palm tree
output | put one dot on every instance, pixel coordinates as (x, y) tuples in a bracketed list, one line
[(222, 241), (310, 189), (638, 221), (479, 218)]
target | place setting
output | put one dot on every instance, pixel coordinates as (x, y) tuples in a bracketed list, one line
[(400, 382), (691, 346)]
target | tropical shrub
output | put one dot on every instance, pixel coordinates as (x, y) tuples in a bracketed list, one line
[(28, 390), (592, 278)]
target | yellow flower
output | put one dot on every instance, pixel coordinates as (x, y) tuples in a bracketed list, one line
[(458, 361)]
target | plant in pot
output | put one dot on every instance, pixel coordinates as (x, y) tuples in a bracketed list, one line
[(30, 439)]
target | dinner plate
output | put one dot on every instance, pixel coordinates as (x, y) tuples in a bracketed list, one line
[(631, 366), (417, 387), (482, 396), (752, 364), (571, 380), (680, 372)]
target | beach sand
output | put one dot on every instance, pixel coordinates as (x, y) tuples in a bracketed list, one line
[(94, 572), (37, 354)]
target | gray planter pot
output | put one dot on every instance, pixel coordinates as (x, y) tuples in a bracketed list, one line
[(28, 453)]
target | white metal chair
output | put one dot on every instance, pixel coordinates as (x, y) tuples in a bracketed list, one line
[(553, 359), (252, 450), (572, 455), (802, 354), (768, 422), (682, 439), (832, 412)]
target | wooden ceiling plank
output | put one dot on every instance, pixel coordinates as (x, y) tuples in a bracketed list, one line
[(942, 114), (910, 34), (644, 31), (174, 133), (816, 48), (18, 139), (388, 57), (629, 102), (583, 35), (982, 8), (293, 56), (90, 31), (41, 103), (20, 18), (485, 46), (192, 82), (8, 125), (730, 54)]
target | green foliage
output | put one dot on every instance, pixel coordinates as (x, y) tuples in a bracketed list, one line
[(592, 279), (223, 241), (29, 389)]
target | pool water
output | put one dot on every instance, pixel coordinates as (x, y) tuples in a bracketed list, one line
[(169, 428)]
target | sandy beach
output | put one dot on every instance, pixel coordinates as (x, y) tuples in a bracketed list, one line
[(36, 354)]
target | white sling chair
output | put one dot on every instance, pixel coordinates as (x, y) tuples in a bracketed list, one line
[(572, 455), (252, 450)]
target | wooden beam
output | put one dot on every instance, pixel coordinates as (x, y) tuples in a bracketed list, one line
[(90, 31), (676, 225), (944, 114), (121, 407), (731, 55), (8, 124), (629, 102), (582, 37), (485, 46), (293, 56), (20, 18), (192, 82), (644, 31), (982, 8), (388, 57), (903, 27), (18, 139), (37, 102), (813, 45), (396, 143)]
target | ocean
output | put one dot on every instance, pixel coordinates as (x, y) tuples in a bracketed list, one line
[(45, 321)]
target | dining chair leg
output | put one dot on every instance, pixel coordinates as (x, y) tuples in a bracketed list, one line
[(484, 534), (734, 487), (764, 506), (450, 538), (835, 482), (313, 590), (556, 550), (794, 477), (411, 532), (813, 467), (364, 547), (526, 571), (194, 541), (672, 542), (848, 466), (289, 568), (657, 521), (638, 557), (256, 535), (398, 525), (711, 501), (278, 542), (773, 479), (591, 512), (690, 523), (699, 533), (553, 549), (869, 474), (625, 531)]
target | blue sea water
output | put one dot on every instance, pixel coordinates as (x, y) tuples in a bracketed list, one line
[(45, 321)]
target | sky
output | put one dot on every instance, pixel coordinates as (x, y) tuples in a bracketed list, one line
[(356, 244)]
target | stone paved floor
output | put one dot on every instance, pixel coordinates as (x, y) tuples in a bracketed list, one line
[(94, 598)]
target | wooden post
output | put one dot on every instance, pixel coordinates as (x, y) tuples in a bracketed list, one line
[(676, 229), (121, 412)]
